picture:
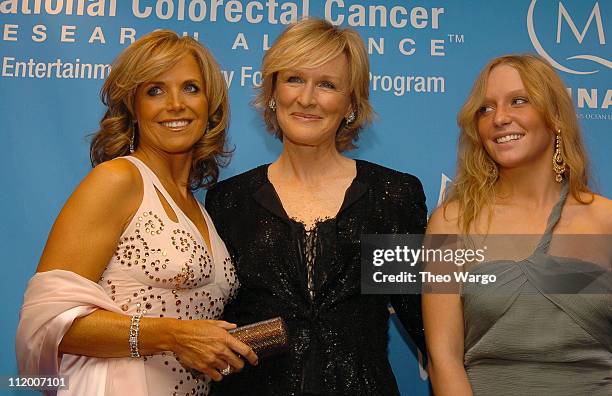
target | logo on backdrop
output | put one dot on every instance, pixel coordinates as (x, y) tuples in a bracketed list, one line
[(573, 40), (591, 31)]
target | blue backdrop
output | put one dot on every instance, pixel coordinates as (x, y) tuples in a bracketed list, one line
[(424, 57)]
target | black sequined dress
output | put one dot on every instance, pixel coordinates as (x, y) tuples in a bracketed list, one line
[(338, 337)]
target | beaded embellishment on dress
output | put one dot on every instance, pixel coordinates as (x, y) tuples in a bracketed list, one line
[(162, 268)]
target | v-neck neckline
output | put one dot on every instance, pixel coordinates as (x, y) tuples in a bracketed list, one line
[(180, 214), (268, 197)]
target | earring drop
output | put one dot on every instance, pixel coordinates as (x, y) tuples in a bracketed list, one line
[(134, 124), (493, 171), (272, 104), (558, 160), (132, 143), (351, 118)]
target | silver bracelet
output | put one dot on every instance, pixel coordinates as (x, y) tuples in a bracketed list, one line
[(134, 330)]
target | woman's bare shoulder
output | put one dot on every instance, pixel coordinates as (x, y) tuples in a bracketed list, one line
[(444, 219), (86, 231), (112, 190), (597, 212), (117, 174), (601, 210)]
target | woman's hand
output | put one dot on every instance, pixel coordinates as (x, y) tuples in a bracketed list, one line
[(206, 346)]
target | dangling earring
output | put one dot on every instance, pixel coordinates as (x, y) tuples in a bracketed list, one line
[(493, 170), (132, 137), (351, 118), (272, 104), (558, 160)]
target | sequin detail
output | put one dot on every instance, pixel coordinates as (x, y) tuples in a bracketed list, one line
[(338, 337), (163, 268)]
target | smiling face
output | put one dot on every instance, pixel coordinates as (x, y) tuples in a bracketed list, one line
[(311, 103), (510, 127), (172, 109)]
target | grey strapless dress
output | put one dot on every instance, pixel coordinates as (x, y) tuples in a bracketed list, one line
[(522, 339)]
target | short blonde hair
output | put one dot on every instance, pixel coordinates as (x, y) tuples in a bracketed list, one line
[(145, 59), (473, 188), (311, 43)]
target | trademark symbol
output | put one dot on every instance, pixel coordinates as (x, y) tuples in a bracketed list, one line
[(456, 38)]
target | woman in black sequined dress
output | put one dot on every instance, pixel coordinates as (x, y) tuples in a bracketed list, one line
[(293, 227)]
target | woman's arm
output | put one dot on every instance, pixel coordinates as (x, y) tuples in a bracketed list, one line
[(84, 238), (201, 344), (443, 320)]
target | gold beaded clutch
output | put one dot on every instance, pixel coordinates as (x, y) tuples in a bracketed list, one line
[(266, 338)]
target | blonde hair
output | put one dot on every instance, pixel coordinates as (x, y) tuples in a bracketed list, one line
[(474, 185), (311, 43), (145, 59)]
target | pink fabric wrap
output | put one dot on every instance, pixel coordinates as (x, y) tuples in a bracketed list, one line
[(53, 300)]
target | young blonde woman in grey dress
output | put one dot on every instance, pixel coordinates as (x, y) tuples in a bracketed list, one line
[(522, 169)]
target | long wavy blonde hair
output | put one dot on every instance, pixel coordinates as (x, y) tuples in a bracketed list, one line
[(145, 59), (474, 186)]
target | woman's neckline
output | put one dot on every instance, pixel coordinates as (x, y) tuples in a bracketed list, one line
[(318, 221)]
